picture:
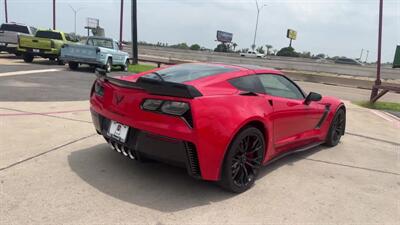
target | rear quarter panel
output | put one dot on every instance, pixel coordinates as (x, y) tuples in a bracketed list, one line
[(217, 119)]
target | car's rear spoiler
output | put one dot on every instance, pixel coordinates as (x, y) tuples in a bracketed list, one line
[(153, 86)]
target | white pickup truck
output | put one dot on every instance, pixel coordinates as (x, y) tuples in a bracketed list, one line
[(9, 35), (253, 54)]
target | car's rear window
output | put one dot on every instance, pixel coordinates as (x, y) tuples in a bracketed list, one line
[(48, 34), (188, 72), (15, 28)]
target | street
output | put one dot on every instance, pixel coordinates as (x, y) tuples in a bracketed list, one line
[(55, 169)]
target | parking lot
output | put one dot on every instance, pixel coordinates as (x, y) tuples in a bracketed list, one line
[(55, 169)]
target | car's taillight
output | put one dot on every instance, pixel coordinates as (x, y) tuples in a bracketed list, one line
[(168, 107), (52, 45), (174, 108), (97, 89)]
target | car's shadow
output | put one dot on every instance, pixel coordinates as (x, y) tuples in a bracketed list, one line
[(152, 185)]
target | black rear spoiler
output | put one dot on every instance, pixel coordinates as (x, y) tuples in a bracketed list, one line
[(152, 86)]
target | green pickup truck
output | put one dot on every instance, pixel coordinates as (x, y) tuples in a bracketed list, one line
[(45, 43)]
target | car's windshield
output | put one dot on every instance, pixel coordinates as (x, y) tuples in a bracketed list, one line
[(188, 72), (49, 34), (105, 43)]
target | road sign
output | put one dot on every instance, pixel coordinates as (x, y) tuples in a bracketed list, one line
[(224, 37), (291, 34), (92, 23)]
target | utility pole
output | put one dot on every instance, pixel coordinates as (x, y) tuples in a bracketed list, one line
[(5, 10), (121, 23), (134, 32), (75, 12), (378, 81), (253, 46), (54, 14)]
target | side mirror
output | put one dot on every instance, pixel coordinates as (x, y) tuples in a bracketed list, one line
[(100, 72), (312, 97)]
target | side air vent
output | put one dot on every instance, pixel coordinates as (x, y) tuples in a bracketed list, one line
[(193, 160)]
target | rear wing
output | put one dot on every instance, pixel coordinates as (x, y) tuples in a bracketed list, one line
[(152, 86)]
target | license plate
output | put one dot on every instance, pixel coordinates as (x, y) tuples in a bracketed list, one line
[(118, 131), (36, 50)]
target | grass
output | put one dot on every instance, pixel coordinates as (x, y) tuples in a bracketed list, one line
[(391, 106), (138, 68)]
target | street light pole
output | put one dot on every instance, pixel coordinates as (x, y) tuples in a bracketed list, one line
[(255, 32), (362, 51), (5, 10), (75, 12), (134, 32), (54, 14), (378, 81)]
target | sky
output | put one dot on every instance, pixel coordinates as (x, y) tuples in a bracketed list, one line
[(333, 27)]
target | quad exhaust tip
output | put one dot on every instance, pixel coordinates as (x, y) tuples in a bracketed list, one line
[(127, 152)]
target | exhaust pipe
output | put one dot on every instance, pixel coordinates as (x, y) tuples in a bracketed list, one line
[(131, 154), (124, 151)]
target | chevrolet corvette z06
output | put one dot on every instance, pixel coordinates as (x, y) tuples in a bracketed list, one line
[(220, 122)]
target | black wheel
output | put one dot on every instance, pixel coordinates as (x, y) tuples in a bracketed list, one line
[(60, 62), (337, 128), (28, 58), (108, 65), (73, 65), (125, 66), (243, 160)]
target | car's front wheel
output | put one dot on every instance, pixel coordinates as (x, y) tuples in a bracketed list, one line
[(125, 66), (337, 128), (243, 160)]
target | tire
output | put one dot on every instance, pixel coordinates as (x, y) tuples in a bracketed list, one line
[(125, 66), (60, 62), (337, 128), (28, 58), (73, 65), (243, 160), (108, 66)]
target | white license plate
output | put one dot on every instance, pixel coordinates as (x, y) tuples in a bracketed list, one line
[(118, 131), (36, 50)]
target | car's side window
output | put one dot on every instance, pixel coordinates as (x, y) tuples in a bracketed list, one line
[(248, 83), (280, 86)]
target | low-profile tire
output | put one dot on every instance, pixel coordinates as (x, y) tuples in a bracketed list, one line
[(125, 66), (243, 160), (28, 58), (73, 65), (108, 66), (337, 128)]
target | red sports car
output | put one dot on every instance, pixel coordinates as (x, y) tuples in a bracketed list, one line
[(220, 122)]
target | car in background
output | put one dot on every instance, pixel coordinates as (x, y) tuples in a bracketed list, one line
[(96, 52), (45, 43), (252, 54), (348, 61), (220, 122), (9, 35)]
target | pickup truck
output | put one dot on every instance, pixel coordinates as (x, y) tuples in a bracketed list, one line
[(253, 54), (9, 35), (96, 52), (45, 43)]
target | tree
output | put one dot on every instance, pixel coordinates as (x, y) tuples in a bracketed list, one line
[(268, 48), (305, 55), (244, 50), (288, 51), (195, 47), (275, 51), (181, 46), (221, 48), (260, 50), (234, 46)]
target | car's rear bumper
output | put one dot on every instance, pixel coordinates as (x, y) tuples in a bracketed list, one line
[(45, 53), (143, 144)]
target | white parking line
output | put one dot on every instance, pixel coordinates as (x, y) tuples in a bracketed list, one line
[(28, 72)]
